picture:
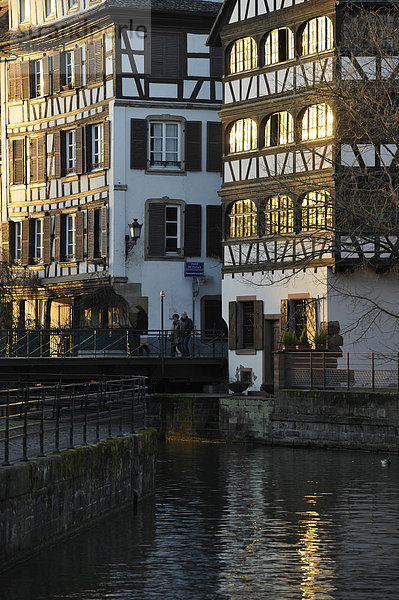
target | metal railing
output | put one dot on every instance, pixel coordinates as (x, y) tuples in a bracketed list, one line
[(342, 371), (38, 420), (97, 343)]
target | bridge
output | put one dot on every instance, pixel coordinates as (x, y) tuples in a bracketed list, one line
[(61, 355)]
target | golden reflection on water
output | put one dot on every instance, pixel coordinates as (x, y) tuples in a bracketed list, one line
[(316, 565)]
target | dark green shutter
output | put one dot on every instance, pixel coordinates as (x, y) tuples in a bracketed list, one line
[(214, 231), (232, 325), (214, 147), (156, 229), (193, 146), (258, 325), (192, 230), (138, 146)]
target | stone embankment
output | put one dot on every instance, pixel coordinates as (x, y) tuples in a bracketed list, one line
[(42, 499), (330, 419)]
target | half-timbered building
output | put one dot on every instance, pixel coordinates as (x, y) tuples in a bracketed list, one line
[(110, 118), (285, 268)]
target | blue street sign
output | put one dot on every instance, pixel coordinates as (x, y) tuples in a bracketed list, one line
[(193, 269)]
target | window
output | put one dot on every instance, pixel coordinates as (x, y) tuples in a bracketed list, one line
[(97, 146), (279, 129), (69, 68), (37, 78), (243, 55), (243, 219), (317, 211), (50, 8), (17, 240), (70, 151), (73, 4), (317, 122), (18, 165), (165, 149), (279, 46), (24, 11), (172, 228), (39, 239), (317, 36), (243, 136), (279, 215), (246, 324), (70, 230)]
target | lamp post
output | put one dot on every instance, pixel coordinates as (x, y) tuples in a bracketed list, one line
[(162, 296), (135, 232)]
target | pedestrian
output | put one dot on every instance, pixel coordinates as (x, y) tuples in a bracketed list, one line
[(174, 336), (141, 329), (186, 327)]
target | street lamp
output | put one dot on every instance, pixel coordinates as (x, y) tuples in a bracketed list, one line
[(135, 233), (162, 296)]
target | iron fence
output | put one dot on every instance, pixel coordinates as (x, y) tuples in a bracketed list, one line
[(38, 420), (97, 343), (336, 370)]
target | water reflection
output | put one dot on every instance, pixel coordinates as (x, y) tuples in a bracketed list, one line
[(235, 523)]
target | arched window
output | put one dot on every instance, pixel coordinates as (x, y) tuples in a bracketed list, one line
[(243, 136), (317, 211), (279, 129), (317, 122), (279, 215), (243, 219), (317, 36), (243, 55), (279, 46)]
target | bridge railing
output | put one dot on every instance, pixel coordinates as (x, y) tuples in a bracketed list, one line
[(98, 343), (38, 420)]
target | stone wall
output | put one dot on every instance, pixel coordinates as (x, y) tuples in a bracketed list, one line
[(47, 497)]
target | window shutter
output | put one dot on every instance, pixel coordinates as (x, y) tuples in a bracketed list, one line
[(25, 74), (57, 72), (26, 231), (80, 154), (258, 324), (13, 81), (104, 232), (18, 161), (216, 67), (90, 233), (57, 154), (165, 55), (214, 147), (311, 318), (193, 146), (284, 315), (33, 150), (47, 240), (59, 251), (232, 325), (79, 235), (6, 237), (138, 146), (192, 230), (214, 231), (107, 147), (90, 63), (98, 59), (46, 76), (42, 158), (156, 229), (77, 63)]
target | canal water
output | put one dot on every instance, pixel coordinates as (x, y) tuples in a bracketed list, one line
[(236, 522)]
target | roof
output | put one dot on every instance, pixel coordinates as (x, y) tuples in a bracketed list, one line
[(204, 6)]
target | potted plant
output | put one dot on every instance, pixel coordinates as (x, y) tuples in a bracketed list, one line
[(238, 387), (303, 340), (320, 339), (289, 340)]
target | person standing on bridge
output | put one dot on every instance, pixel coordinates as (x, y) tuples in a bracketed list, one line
[(174, 337), (141, 329), (186, 328)]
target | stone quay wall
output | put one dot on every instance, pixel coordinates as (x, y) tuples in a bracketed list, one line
[(329, 419), (42, 499)]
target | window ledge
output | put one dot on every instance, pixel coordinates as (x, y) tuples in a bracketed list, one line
[(68, 178), (68, 263), (37, 184), (38, 99), (245, 351), (95, 261), (165, 172), (168, 258), (96, 173), (37, 266)]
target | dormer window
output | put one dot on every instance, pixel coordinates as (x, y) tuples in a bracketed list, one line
[(317, 122), (279, 46), (243, 136), (243, 55), (317, 36), (24, 11), (279, 129)]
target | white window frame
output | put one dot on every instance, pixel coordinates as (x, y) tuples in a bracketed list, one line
[(176, 236), (24, 11), (17, 240), (38, 78), (70, 236), (69, 67), (164, 162), (39, 240), (73, 4), (49, 8), (97, 146), (70, 151)]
